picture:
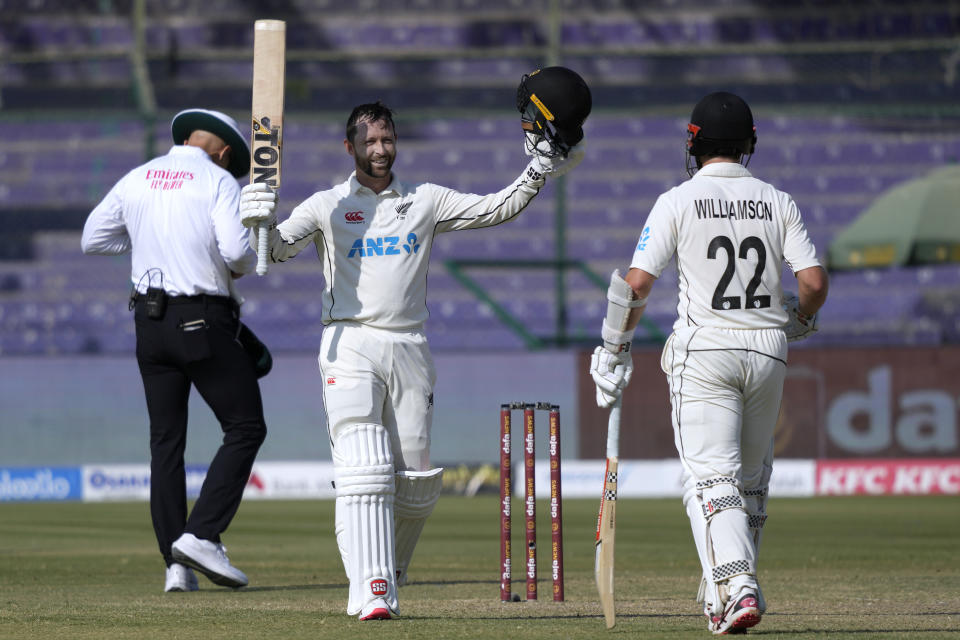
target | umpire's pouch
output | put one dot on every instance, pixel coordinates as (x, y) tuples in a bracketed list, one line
[(258, 352)]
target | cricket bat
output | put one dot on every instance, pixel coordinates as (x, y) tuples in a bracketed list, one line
[(606, 520), (269, 66)]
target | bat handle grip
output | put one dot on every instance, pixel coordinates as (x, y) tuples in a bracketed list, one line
[(262, 246), (613, 431)]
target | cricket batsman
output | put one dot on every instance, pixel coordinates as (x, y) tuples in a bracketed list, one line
[(373, 235)]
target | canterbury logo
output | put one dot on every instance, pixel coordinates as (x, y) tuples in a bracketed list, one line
[(403, 208), (353, 216)]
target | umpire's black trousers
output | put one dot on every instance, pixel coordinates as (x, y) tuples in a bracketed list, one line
[(195, 343)]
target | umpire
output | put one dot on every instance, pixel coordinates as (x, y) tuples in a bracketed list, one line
[(178, 216)]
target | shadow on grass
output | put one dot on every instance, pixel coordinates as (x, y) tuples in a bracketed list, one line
[(444, 583), (844, 632), (526, 614), (296, 587), (754, 631)]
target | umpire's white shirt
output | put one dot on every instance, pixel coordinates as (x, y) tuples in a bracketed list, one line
[(720, 223), (179, 214), (375, 247)]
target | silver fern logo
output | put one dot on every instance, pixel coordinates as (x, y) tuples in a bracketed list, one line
[(402, 209)]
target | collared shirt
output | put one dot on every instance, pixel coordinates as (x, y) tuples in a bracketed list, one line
[(179, 216), (730, 232), (375, 247)]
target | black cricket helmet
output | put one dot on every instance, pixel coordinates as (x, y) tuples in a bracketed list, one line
[(721, 125), (553, 103)]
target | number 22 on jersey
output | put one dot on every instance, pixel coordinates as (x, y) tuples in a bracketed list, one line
[(722, 248)]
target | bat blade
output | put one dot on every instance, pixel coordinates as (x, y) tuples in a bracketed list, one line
[(607, 520), (606, 532), (269, 68)]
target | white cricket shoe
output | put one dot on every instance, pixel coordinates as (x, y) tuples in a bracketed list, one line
[(210, 559), (377, 609), (180, 578)]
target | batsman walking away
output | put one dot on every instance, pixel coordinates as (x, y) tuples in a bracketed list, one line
[(726, 358), (373, 235)]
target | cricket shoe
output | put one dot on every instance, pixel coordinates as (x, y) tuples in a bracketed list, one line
[(210, 559), (180, 578), (713, 621), (739, 616), (376, 609)]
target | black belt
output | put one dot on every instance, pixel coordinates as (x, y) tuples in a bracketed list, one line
[(199, 298)]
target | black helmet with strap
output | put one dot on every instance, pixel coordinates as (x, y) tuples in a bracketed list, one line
[(553, 102)]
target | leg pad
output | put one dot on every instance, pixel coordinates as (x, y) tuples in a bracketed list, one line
[(365, 512), (417, 494)]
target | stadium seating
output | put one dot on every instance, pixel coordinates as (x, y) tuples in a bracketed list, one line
[(638, 59), (62, 301), (633, 52)]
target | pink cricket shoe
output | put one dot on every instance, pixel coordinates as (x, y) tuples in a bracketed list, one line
[(738, 617)]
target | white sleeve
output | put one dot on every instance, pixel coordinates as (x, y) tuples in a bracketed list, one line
[(296, 232), (658, 240), (105, 232), (798, 250), (230, 233), (455, 210)]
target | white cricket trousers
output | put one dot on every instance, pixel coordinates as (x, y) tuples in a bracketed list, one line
[(725, 390), (380, 376)]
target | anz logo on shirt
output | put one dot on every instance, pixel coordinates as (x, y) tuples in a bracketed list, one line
[(384, 246), (644, 238)]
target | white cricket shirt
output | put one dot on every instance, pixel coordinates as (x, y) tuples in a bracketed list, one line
[(375, 248), (730, 232), (178, 214)]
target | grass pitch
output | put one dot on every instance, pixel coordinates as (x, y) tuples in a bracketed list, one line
[(831, 568)]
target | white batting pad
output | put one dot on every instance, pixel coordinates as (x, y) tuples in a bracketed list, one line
[(365, 499), (417, 494), (756, 505), (726, 548), (756, 501), (708, 595), (717, 494)]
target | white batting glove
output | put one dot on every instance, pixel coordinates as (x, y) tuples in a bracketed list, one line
[(611, 372), (559, 165), (258, 203), (799, 325)]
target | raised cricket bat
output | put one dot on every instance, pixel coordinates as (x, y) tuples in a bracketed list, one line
[(269, 66), (607, 521)]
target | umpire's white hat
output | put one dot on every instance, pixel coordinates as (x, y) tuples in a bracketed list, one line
[(189, 120)]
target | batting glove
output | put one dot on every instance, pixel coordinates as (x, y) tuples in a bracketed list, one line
[(611, 372), (799, 325), (258, 203), (558, 165)]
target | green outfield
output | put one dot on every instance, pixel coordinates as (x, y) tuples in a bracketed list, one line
[(831, 567)]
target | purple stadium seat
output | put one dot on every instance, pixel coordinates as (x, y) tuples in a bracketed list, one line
[(834, 165)]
